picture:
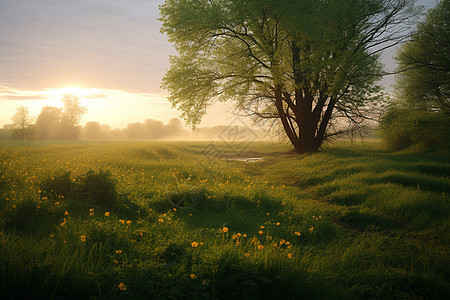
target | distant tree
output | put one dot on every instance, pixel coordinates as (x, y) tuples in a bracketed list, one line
[(174, 129), (7, 131), (48, 123), (134, 131), (22, 121), (153, 130), (92, 131), (305, 64), (72, 111), (420, 112)]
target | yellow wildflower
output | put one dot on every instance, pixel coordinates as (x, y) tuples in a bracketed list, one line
[(83, 238), (278, 223), (161, 220), (193, 276), (298, 233), (194, 244), (107, 214), (225, 229), (122, 286), (290, 255), (260, 247), (311, 229)]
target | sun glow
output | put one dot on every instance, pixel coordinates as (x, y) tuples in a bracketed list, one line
[(117, 108), (72, 90)]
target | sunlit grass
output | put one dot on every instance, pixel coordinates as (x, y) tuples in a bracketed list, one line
[(352, 221)]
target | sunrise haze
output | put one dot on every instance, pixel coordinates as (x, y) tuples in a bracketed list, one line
[(110, 54)]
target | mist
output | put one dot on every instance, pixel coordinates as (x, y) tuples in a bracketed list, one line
[(52, 124)]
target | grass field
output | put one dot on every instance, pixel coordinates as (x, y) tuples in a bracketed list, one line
[(164, 221)]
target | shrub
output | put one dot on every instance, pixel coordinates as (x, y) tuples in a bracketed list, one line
[(97, 188), (405, 127)]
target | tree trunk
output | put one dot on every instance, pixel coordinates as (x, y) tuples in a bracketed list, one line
[(305, 141)]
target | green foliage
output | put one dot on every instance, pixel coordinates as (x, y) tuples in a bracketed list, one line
[(421, 114), (97, 188), (404, 127), (426, 83)]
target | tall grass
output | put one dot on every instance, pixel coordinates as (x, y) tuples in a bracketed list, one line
[(164, 221)]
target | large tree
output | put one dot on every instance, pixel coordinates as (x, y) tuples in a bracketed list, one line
[(305, 63)]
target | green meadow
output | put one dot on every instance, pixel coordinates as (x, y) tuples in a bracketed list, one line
[(164, 220)]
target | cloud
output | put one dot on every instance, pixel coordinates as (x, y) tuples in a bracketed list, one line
[(8, 93), (108, 44), (112, 44), (96, 96)]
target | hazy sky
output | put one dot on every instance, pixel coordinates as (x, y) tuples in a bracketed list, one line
[(108, 52)]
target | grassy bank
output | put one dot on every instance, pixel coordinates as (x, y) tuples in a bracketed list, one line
[(164, 220)]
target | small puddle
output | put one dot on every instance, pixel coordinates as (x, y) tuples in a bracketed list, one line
[(244, 159)]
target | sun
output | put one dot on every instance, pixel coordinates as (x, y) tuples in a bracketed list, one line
[(54, 96)]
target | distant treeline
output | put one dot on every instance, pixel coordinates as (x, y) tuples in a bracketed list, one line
[(53, 124), (156, 130)]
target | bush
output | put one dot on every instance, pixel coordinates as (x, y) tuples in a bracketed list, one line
[(98, 188), (405, 127)]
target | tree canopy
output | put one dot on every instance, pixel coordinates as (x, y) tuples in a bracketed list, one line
[(72, 108), (424, 62), (73, 112), (304, 63), (419, 114)]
